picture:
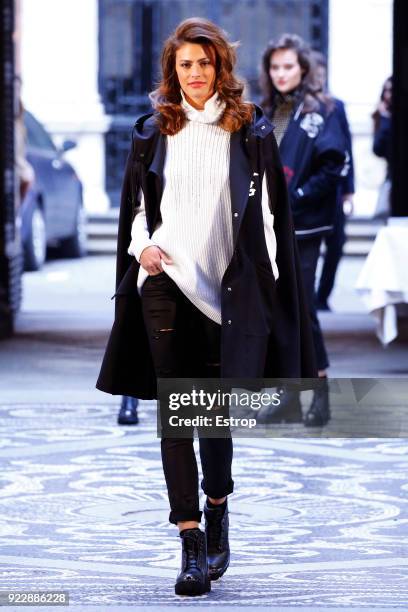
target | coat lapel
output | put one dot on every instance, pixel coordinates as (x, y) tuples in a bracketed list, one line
[(155, 172), (157, 165), (240, 182)]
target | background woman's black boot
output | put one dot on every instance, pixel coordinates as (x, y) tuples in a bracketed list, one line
[(319, 411), (193, 578), (128, 411), (216, 531), (289, 409)]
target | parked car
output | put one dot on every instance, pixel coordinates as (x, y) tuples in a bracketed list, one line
[(52, 213)]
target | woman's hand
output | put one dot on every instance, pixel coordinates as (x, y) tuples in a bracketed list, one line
[(151, 259), (348, 204)]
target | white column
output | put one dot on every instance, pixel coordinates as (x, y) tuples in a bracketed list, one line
[(60, 84), (360, 60)]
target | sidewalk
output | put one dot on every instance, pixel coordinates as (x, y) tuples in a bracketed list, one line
[(83, 508), (315, 524), (67, 314)]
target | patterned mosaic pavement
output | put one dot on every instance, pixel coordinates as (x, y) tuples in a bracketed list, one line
[(315, 523)]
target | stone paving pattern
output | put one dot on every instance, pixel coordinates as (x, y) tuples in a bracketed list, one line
[(315, 523), (83, 507)]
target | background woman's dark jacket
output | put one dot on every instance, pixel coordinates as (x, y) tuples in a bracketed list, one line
[(313, 155), (265, 327), (347, 174), (336, 240), (382, 144)]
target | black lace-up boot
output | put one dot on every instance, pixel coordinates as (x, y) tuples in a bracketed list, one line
[(193, 578), (318, 414), (289, 409), (216, 531)]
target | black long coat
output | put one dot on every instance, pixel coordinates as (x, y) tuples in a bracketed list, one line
[(265, 330)]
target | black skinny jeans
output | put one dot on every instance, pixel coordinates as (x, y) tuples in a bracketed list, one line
[(184, 343), (309, 251)]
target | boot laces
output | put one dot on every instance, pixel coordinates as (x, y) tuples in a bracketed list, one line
[(191, 548), (214, 530)]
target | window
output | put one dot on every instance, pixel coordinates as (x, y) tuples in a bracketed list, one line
[(131, 35)]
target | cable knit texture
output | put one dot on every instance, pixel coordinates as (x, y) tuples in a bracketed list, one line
[(196, 228)]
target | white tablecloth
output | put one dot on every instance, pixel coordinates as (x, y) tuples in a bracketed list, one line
[(383, 281)]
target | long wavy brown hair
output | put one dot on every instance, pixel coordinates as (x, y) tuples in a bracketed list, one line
[(166, 99), (376, 115), (308, 90)]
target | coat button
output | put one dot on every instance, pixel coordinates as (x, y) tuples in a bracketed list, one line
[(229, 321), (235, 214), (141, 154), (229, 289)]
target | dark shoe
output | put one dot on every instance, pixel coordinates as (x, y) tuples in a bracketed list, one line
[(318, 414), (288, 411), (128, 411), (193, 578), (216, 531)]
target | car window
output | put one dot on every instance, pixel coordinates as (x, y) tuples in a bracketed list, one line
[(37, 137)]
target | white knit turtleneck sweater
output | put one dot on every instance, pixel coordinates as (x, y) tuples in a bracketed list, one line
[(196, 228)]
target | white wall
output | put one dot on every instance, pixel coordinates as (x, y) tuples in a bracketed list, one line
[(360, 59), (60, 71)]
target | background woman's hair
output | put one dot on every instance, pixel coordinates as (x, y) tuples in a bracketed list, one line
[(376, 115), (166, 99), (308, 90), (320, 60)]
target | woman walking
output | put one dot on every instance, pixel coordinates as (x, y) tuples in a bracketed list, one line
[(312, 150), (382, 147), (207, 272), (335, 242)]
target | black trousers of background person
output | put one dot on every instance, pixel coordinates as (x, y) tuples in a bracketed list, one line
[(334, 251), (309, 251), (184, 343)]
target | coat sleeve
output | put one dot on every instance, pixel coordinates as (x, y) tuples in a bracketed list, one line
[(127, 367), (327, 164), (382, 138), (128, 204), (140, 232), (347, 183)]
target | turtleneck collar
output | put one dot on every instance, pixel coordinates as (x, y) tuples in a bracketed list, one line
[(290, 98), (213, 109)]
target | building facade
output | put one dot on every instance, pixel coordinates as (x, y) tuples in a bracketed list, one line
[(131, 37), (89, 64), (60, 84), (11, 259)]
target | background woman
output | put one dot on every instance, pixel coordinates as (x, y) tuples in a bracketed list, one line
[(204, 233), (335, 241), (382, 146), (312, 150)]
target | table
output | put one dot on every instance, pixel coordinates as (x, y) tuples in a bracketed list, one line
[(383, 280)]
